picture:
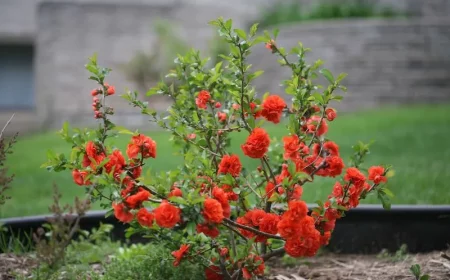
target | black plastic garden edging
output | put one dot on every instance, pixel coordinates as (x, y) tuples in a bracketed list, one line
[(366, 229)]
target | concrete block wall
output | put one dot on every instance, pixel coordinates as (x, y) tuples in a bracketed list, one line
[(388, 62)]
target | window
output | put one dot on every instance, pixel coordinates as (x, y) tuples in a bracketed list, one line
[(16, 77)]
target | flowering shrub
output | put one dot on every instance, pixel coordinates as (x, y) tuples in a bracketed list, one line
[(214, 210)]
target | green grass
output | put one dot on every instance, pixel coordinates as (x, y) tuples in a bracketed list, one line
[(294, 12), (413, 139)]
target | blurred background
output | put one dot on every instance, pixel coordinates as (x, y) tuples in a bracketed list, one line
[(396, 52)]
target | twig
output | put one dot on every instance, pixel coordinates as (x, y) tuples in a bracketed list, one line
[(252, 229), (274, 253), (6, 125), (445, 256)]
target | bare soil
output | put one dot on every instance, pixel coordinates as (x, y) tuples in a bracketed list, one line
[(363, 267)]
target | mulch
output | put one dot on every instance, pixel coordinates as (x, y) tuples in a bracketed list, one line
[(364, 267), (324, 267)]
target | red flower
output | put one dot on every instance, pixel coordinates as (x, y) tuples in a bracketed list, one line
[(338, 190), (306, 242), (217, 105), (255, 216), (331, 114), (208, 230), (145, 218), (271, 45), (273, 108), (269, 223), (297, 209), (175, 192), (79, 177), (95, 91), (325, 238), (110, 89), (141, 144), (121, 212), (246, 222), (313, 125), (231, 195), (134, 201), (291, 147), (296, 193), (355, 176), (93, 156), (167, 215), (115, 163), (136, 171), (191, 136), (330, 147), (287, 228), (213, 273), (230, 164), (213, 211), (257, 143), (220, 195), (334, 167), (270, 188), (222, 116), (254, 110), (202, 99), (376, 174), (179, 254)]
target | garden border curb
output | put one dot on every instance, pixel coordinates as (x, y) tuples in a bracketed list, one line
[(366, 229)]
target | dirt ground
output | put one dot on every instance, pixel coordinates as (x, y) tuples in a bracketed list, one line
[(364, 267), (325, 267)]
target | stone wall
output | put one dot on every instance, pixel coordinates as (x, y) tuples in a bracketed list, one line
[(388, 62)]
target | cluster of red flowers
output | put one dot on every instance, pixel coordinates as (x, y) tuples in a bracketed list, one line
[(260, 220), (203, 98)]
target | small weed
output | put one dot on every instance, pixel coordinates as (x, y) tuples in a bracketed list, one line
[(415, 269), (400, 255)]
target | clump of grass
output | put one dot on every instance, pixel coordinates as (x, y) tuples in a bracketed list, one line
[(292, 11)]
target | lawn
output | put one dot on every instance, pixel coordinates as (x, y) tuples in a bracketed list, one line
[(415, 140)]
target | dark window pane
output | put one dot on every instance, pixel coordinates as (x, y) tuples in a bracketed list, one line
[(16, 77)]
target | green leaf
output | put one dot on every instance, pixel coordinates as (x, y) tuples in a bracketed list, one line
[(275, 33), (122, 130), (241, 33), (388, 192), (191, 228), (178, 200), (425, 277), (228, 24), (257, 74), (415, 269), (253, 29), (341, 77), (327, 74), (318, 97), (385, 201)]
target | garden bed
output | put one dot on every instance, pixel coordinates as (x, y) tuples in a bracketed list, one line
[(352, 267), (326, 266)]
